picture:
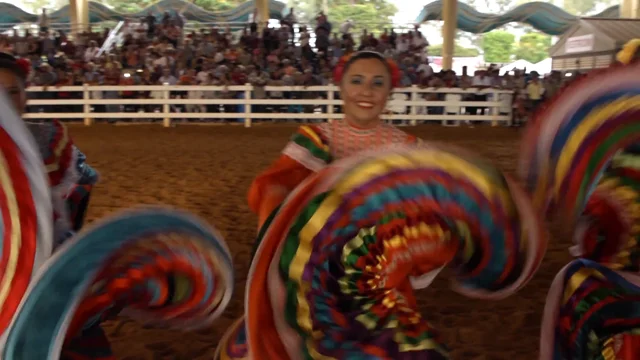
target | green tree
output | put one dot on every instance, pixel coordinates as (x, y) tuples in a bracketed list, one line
[(217, 5), (580, 7), (533, 47), (127, 7), (498, 46), (373, 15), (436, 50)]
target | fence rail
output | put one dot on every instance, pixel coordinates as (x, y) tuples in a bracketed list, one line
[(166, 103)]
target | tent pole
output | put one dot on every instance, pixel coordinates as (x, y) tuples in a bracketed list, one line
[(449, 15)]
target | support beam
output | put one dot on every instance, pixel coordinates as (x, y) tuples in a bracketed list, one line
[(630, 9), (263, 13), (79, 16), (449, 15), (73, 18)]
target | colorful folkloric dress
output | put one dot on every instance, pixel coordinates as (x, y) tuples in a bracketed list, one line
[(310, 149), (157, 265), (334, 273), (581, 160), (70, 177)]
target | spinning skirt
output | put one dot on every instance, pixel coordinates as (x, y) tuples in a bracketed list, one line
[(575, 137), (592, 312), (26, 221), (160, 266), (580, 160), (334, 274)]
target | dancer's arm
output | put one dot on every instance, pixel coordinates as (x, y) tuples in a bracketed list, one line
[(305, 154), (271, 187)]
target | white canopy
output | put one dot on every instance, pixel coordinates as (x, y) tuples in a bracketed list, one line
[(516, 65)]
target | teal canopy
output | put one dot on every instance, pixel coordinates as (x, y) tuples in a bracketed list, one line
[(545, 17), (11, 14)]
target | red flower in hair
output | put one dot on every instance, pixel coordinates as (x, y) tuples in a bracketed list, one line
[(338, 71), (24, 65)]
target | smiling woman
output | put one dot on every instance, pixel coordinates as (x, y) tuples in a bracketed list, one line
[(366, 80)]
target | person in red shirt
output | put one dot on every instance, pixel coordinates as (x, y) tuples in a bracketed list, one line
[(239, 75)]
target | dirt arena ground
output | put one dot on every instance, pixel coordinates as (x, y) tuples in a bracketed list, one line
[(207, 170)]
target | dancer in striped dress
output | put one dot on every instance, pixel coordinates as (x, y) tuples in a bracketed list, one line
[(581, 162), (70, 177), (366, 80), (355, 216)]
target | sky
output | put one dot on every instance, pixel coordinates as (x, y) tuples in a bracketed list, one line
[(408, 10), (20, 3)]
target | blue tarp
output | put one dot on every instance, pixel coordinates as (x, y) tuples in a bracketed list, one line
[(11, 14), (545, 17)]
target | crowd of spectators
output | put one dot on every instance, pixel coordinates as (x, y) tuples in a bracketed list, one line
[(154, 52)]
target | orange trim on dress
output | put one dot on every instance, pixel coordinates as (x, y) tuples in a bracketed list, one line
[(272, 186)]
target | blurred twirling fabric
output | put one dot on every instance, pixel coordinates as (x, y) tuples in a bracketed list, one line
[(580, 163), (26, 223), (158, 265), (161, 266), (334, 274)]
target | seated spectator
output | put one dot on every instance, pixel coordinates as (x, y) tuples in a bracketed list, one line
[(92, 51), (167, 77)]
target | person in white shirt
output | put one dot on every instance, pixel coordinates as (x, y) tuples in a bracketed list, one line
[(418, 42), (403, 45), (480, 82), (167, 78), (219, 57), (44, 21), (346, 27), (92, 52), (161, 62), (425, 68), (203, 75), (304, 36)]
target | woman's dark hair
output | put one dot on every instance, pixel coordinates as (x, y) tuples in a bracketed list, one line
[(364, 55), (9, 62)]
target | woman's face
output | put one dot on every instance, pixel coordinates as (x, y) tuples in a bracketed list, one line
[(15, 90), (365, 88)]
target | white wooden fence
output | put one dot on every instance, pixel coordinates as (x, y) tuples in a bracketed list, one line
[(407, 104)]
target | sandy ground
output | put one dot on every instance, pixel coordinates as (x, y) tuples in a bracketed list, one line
[(207, 170)]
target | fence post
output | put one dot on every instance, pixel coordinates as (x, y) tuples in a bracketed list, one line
[(495, 111), (86, 96), (330, 98), (414, 108), (247, 107), (166, 108)]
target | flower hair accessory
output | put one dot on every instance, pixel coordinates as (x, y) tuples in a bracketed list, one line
[(338, 71)]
